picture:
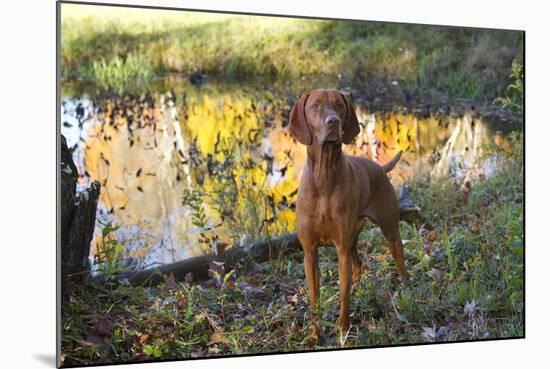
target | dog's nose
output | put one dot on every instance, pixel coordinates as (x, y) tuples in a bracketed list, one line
[(332, 120)]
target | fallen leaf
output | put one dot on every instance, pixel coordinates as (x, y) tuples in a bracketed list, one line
[(428, 248), (214, 350), (470, 307), (428, 333), (216, 337), (441, 332), (435, 274), (180, 304), (142, 338), (103, 327)]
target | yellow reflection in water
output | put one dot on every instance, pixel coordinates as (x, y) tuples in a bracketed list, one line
[(228, 121)]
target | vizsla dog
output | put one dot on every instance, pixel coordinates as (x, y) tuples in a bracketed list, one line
[(337, 194)]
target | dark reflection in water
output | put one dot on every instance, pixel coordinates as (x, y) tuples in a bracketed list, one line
[(185, 169)]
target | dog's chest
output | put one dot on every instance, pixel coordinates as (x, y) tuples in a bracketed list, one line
[(325, 211), (324, 220), (322, 211)]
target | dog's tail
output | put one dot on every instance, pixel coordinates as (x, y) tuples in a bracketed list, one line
[(391, 164)]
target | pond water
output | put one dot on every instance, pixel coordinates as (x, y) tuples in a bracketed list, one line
[(185, 167)]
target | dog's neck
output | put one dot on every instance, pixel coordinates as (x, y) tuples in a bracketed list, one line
[(324, 160)]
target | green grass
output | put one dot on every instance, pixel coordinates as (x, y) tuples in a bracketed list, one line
[(467, 283), (113, 45), (125, 73)]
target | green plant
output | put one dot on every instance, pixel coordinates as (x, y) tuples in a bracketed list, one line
[(157, 349), (194, 199), (109, 251), (515, 90)]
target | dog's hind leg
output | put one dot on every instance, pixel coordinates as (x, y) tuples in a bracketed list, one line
[(388, 220), (396, 249), (355, 264), (390, 230)]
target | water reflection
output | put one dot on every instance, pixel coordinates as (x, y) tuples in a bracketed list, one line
[(180, 172)]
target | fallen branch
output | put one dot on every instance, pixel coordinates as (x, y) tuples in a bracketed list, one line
[(257, 251)]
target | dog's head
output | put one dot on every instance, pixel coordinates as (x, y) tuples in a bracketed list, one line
[(323, 116)]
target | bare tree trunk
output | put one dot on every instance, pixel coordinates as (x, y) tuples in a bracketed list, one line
[(74, 256), (78, 214)]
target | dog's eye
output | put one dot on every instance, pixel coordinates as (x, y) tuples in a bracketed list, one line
[(339, 106), (315, 106)]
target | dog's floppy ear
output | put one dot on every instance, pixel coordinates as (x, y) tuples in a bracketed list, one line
[(351, 125), (298, 124)]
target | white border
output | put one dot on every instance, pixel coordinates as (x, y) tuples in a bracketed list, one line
[(27, 187)]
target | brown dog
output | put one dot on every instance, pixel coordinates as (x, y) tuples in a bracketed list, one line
[(338, 193)]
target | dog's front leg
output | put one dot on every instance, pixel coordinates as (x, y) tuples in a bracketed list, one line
[(313, 275), (344, 274)]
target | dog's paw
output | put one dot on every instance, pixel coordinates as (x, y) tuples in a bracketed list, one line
[(312, 341), (314, 337), (343, 324), (344, 330)]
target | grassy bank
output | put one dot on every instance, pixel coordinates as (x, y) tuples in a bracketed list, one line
[(467, 284), (116, 45)]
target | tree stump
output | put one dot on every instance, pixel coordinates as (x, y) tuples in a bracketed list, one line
[(78, 214)]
